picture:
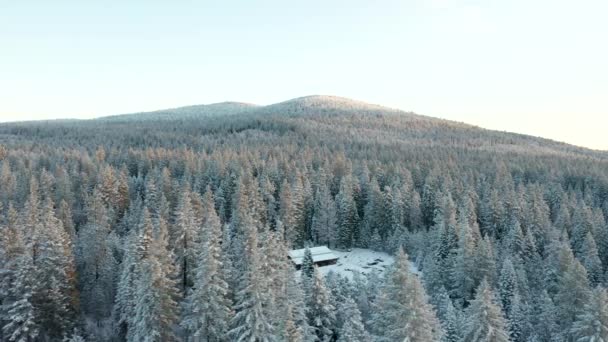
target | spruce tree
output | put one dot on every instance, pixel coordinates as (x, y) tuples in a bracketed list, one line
[(402, 308), (155, 288), (573, 291), (308, 266), (184, 238), (207, 309), (321, 315), (18, 312), (352, 329), (97, 265), (590, 259), (251, 321), (484, 318), (591, 324), (347, 216), (324, 218)]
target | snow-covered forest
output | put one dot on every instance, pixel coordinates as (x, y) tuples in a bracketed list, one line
[(176, 225)]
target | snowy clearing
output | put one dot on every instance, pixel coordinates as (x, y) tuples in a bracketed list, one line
[(360, 260)]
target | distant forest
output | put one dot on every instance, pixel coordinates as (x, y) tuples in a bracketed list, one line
[(175, 226)]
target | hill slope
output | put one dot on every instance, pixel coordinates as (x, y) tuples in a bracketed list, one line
[(341, 117)]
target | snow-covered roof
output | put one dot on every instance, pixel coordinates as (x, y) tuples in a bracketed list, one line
[(320, 253)]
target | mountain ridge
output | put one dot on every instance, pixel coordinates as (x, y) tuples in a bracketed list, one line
[(324, 105)]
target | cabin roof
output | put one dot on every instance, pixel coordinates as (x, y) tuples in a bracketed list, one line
[(320, 253)]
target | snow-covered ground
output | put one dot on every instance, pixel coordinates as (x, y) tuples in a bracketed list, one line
[(360, 260)]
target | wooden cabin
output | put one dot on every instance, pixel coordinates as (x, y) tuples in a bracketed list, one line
[(321, 256)]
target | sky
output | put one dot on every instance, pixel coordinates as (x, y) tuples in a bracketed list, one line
[(537, 67)]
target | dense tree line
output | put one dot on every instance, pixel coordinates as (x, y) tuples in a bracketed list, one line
[(177, 228)]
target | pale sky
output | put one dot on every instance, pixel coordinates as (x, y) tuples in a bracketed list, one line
[(538, 67)]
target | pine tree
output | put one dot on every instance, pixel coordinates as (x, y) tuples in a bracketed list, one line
[(346, 215), (207, 307), (12, 247), (590, 259), (55, 295), (321, 315), (353, 329), (324, 218), (308, 266), (291, 212), (184, 238), (451, 325), (485, 260), (462, 274), (573, 291), (373, 215), (484, 319), (591, 324), (19, 314), (402, 309), (507, 286), (96, 263), (296, 310), (155, 290), (251, 321), (519, 324), (293, 333), (124, 307), (544, 316)]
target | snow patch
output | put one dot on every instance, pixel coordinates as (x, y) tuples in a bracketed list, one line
[(360, 260)]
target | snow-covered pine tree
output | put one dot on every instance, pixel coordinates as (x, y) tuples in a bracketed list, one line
[(184, 237), (18, 280), (519, 322), (207, 309), (124, 303), (321, 315), (308, 266), (55, 295), (352, 329), (292, 333), (402, 311), (451, 325), (484, 319), (591, 324), (573, 291), (291, 213), (507, 286), (591, 260), (155, 288), (347, 217), (96, 263), (251, 321), (463, 273), (324, 218), (297, 309)]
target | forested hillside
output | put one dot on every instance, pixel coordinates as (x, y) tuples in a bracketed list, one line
[(175, 225)]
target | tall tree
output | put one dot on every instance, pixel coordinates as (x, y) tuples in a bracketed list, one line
[(251, 321), (402, 308), (155, 288), (321, 315), (324, 218), (347, 217), (484, 318), (184, 237), (591, 324), (353, 329), (207, 311), (97, 265)]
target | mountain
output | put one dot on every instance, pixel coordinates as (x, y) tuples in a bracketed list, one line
[(342, 117), (186, 113), (332, 119), (119, 206)]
